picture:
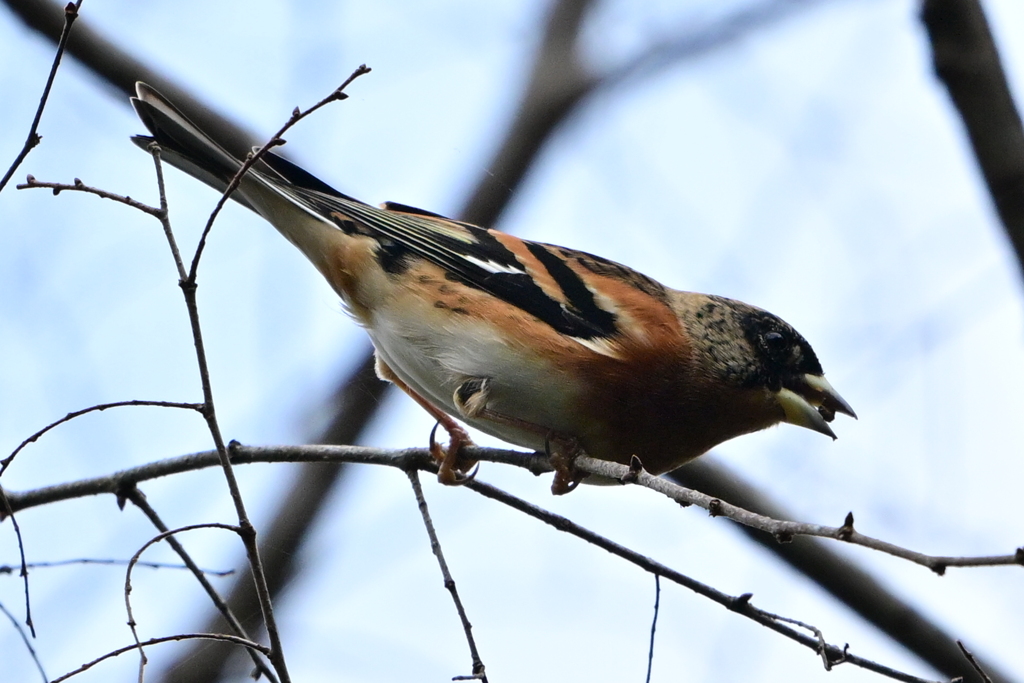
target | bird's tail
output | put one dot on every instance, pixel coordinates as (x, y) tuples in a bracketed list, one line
[(271, 187), (183, 144)]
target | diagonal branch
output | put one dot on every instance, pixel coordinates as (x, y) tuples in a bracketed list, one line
[(967, 62), (121, 69), (33, 138), (479, 671), (139, 500), (741, 604), (843, 579)]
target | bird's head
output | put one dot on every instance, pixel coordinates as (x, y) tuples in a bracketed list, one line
[(755, 351)]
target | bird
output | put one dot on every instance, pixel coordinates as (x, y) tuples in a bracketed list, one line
[(542, 346)]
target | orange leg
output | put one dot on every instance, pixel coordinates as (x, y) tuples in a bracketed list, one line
[(450, 467)]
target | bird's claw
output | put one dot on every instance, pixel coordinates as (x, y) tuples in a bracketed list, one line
[(451, 469), (562, 458)]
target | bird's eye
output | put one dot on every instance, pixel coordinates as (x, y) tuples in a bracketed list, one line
[(781, 348), (776, 346)]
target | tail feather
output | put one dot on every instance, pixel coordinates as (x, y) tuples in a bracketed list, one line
[(268, 188), (184, 144), (291, 174), (190, 149)]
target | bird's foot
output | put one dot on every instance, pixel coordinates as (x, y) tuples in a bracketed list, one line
[(451, 467), (562, 452)]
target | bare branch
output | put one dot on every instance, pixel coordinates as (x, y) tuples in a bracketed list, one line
[(165, 215), (33, 139), (123, 480), (784, 531), (739, 604), (139, 500), (165, 639), (128, 579), (974, 662), (78, 186), (479, 671), (537, 463), (967, 62), (28, 643)]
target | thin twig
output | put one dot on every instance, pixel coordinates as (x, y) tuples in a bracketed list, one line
[(479, 671), (785, 531), (33, 139), (165, 639), (7, 510), (164, 214), (9, 569), (78, 186), (128, 578), (188, 288), (25, 639), (739, 604), (654, 625), (823, 646), (5, 463), (974, 662), (139, 500), (275, 141)]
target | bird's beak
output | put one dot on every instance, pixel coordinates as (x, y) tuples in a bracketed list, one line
[(813, 403)]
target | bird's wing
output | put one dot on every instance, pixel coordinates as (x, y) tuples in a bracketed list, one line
[(561, 287)]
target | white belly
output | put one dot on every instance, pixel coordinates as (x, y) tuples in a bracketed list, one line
[(434, 360)]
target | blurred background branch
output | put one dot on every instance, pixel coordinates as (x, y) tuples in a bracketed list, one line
[(967, 62)]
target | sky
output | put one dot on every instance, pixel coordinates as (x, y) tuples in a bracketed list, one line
[(815, 169)]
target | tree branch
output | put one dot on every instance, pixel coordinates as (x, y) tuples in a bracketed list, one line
[(741, 604), (33, 138), (967, 62), (536, 463), (135, 495), (121, 69), (847, 582)]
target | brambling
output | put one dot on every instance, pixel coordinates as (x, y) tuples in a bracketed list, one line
[(539, 345)]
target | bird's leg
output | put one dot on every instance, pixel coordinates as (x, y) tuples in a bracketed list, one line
[(450, 467), (471, 399)]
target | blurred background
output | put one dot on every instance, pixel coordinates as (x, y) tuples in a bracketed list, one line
[(808, 162)]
